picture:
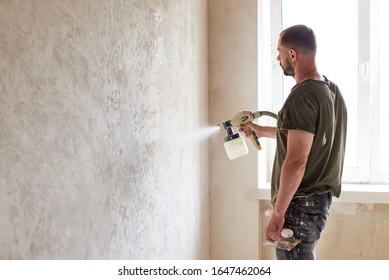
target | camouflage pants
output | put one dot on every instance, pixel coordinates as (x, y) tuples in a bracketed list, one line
[(306, 216)]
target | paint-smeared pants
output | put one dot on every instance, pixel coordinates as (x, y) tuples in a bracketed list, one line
[(306, 216)]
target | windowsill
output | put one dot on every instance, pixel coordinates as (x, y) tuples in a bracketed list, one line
[(352, 193)]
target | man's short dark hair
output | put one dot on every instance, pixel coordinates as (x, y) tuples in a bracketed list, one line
[(299, 37)]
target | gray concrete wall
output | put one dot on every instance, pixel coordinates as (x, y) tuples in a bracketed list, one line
[(103, 122)]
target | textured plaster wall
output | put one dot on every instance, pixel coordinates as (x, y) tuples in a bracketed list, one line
[(233, 87), (103, 110)]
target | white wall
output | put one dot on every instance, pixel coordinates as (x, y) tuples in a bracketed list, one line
[(233, 87), (101, 108)]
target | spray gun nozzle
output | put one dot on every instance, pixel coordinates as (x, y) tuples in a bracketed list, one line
[(225, 125)]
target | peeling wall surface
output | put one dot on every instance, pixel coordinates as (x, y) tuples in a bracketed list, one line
[(354, 231), (103, 125)]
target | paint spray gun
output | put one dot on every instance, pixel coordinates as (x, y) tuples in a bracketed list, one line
[(234, 143)]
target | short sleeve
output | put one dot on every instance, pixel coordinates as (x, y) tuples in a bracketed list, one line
[(299, 113)]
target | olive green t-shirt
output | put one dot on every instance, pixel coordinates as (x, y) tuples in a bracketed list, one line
[(317, 107)]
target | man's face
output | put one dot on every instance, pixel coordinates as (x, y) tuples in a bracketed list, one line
[(284, 59)]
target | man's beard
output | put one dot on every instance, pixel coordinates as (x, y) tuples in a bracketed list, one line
[(288, 69)]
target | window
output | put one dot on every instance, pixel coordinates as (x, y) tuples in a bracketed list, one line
[(352, 46)]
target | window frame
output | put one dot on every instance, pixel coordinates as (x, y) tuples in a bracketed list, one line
[(270, 25)]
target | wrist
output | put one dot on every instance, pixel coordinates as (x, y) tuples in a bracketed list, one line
[(278, 211)]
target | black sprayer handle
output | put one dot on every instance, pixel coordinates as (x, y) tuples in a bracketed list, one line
[(254, 139)]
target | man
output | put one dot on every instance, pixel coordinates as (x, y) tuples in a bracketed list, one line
[(311, 136)]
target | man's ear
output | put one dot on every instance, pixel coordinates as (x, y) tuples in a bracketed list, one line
[(292, 55)]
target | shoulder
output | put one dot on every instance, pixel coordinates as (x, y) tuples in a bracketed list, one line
[(306, 92), (331, 85), (335, 90)]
